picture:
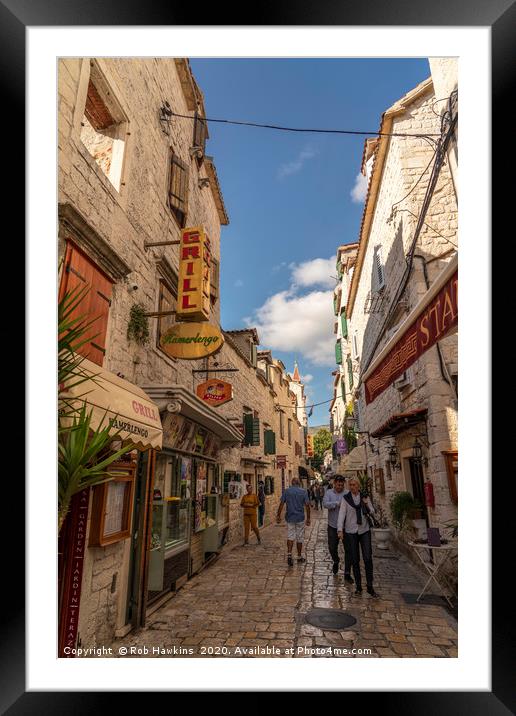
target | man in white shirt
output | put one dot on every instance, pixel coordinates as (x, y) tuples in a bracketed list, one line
[(353, 525), (331, 502)]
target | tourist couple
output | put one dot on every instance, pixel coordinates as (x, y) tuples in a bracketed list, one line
[(348, 520)]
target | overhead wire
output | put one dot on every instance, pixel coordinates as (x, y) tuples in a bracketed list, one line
[(298, 129)]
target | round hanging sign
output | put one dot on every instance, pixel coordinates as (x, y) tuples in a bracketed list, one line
[(215, 392), (191, 341)]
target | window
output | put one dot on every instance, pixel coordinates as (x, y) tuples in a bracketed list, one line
[(178, 190), (251, 429), (81, 273), (199, 136), (338, 352), (378, 272), (289, 426), (104, 128), (167, 301), (282, 425), (350, 372), (269, 442), (214, 281)]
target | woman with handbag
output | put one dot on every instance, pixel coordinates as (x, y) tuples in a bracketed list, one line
[(353, 524)]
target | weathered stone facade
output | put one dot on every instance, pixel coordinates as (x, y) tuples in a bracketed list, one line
[(113, 199), (395, 196)]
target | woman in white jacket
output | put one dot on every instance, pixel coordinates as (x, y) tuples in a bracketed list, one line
[(353, 526)]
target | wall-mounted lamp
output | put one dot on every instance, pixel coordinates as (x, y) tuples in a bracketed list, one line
[(165, 114), (394, 458), (417, 452)]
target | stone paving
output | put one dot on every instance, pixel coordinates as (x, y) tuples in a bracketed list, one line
[(249, 603)]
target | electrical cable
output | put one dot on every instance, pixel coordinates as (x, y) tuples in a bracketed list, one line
[(296, 129), (430, 227)]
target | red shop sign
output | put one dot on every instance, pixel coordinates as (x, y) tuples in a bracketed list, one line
[(437, 319)]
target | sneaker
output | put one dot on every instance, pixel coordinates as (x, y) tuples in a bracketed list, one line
[(301, 559), (370, 590), (335, 568), (290, 561), (358, 591), (349, 579)]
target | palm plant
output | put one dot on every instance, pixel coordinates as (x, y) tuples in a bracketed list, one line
[(84, 453)]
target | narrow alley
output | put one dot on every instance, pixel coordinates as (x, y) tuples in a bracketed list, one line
[(249, 603)]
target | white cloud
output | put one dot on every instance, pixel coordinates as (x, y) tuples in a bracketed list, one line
[(306, 379), (239, 283), (278, 267), (295, 166), (359, 191), (302, 324), (318, 272)]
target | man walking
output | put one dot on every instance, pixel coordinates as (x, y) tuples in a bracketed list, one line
[(320, 495), (331, 502), (353, 520), (297, 502)]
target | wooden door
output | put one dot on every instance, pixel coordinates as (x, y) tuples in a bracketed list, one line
[(80, 271)]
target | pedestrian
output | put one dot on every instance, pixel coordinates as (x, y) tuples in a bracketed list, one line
[(261, 500), (320, 496), (250, 502), (296, 499), (353, 525), (331, 502)]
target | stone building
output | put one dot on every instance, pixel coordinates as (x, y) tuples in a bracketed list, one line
[(343, 380), (401, 310), (132, 176)]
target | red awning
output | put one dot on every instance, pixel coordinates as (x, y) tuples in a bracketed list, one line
[(399, 422)]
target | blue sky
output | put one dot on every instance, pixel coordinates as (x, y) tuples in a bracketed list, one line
[(288, 195)]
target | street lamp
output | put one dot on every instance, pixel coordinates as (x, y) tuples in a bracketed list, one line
[(417, 453)]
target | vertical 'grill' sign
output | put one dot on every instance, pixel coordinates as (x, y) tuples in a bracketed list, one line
[(193, 301)]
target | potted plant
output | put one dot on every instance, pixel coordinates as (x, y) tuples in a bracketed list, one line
[(401, 506), (381, 529)]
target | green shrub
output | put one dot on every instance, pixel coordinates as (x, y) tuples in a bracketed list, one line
[(402, 505)]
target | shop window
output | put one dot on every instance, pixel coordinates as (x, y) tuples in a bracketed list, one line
[(104, 128), (167, 301), (178, 190), (80, 273), (112, 507)]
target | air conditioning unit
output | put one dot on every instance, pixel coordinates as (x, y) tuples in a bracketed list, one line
[(402, 381)]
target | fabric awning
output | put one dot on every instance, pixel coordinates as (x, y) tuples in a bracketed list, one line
[(399, 422), (131, 412), (356, 460)]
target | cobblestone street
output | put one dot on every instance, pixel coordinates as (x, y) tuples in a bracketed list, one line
[(250, 598)]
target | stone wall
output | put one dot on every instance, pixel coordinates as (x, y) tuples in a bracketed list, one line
[(121, 221), (392, 228)]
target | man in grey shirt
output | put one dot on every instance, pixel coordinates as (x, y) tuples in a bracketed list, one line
[(331, 502)]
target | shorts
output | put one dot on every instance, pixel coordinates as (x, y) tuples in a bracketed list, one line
[(296, 531)]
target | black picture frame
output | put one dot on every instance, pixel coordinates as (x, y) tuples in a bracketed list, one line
[(15, 16)]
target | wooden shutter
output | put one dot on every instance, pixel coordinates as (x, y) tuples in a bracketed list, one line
[(199, 137), (338, 353), (178, 189), (80, 271), (378, 266), (350, 372), (269, 442), (344, 324), (252, 430), (343, 387)]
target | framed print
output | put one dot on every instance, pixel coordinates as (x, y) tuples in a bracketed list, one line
[(291, 160)]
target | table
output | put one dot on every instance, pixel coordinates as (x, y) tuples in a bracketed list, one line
[(435, 570)]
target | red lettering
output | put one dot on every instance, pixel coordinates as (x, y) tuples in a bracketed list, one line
[(135, 406), (186, 303), (190, 237), (187, 286), (190, 252)]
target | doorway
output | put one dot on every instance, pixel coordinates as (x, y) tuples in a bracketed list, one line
[(417, 480)]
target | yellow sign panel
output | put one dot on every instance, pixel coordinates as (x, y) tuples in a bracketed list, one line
[(193, 300), (191, 341), (310, 445)]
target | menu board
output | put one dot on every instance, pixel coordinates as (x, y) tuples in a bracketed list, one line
[(115, 499), (183, 434), (200, 502)]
